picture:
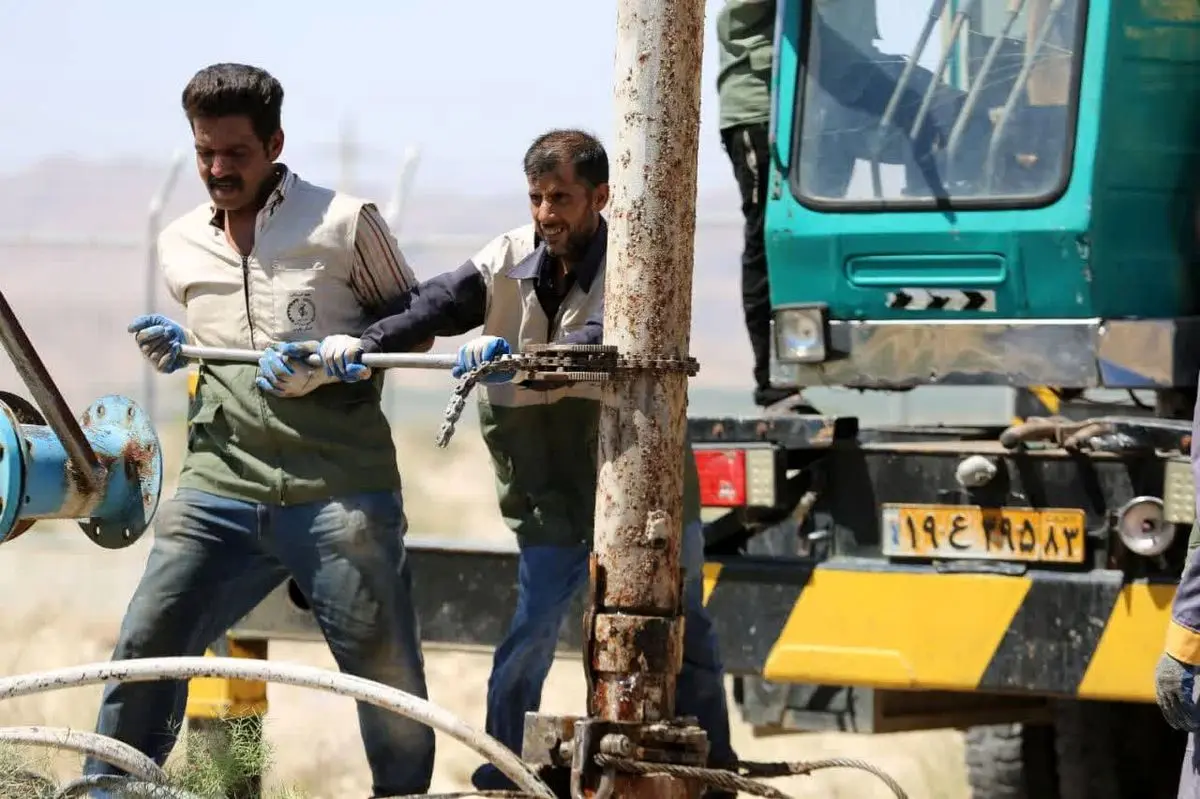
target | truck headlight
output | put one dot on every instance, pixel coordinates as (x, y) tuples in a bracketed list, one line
[(800, 333), (1142, 529)]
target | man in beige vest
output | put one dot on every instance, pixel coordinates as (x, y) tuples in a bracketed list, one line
[(288, 472), (543, 283)]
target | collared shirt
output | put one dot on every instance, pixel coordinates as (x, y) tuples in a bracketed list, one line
[(379, 273), (542, 268), (456, 302)]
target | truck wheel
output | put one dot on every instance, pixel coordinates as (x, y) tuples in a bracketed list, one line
[(1011, 761)]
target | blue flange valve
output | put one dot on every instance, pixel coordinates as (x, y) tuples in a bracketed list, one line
[(114, 501)]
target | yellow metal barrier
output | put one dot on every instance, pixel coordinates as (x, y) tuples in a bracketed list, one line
[(215, 698)]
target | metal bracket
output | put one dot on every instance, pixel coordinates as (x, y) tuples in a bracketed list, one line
[(561, 742)]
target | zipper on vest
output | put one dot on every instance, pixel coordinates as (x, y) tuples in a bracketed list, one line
[(246, 296), (262, 401)]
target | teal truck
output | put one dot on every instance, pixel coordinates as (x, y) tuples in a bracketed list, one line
[(991, 193)]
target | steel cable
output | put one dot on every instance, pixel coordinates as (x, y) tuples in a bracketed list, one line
[(101, 747), (123, 787), (742, 779), (357, 688)]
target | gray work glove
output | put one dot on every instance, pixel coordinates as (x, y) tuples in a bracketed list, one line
[(1173, 685)]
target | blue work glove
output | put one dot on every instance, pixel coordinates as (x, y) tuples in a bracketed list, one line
[(481, 350), (283, 370), (342, 357), (1173, 685), (159, 339)]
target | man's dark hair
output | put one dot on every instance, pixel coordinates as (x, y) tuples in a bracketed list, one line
[(582, 150), (224, 90)]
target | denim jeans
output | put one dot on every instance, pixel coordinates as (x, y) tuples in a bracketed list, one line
[(548, 578), (214, 559)]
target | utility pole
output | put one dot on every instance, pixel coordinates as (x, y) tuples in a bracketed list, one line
[(637, 638), (634, 614)]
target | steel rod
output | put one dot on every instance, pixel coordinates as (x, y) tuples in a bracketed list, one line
[(889, 111), (46, 395), (960, 18), (975, 88), (637, 584), (375, 360), (1018, 87)]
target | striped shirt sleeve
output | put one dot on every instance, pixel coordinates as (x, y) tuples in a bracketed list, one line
[(379, 274)]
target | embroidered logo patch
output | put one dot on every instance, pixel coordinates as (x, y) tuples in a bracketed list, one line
[(301, 311)]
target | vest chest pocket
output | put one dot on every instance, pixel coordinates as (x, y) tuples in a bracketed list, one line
[(298, 290)]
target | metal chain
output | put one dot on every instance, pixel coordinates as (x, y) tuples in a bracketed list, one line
[(743, 782), (563, 364)]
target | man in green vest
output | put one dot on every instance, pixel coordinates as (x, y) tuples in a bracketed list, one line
[(745, 37), (537, 284), (288, 472)]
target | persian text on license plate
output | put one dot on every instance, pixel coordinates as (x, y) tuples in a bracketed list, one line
[(1053, 535)]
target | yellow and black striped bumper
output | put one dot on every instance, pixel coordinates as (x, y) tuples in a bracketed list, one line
[(856, 622), (1090, 636)]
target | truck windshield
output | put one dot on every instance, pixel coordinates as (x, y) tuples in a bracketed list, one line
[(968, 101)]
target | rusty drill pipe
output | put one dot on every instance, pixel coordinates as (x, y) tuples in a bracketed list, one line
[(636, 641), (46, 395)]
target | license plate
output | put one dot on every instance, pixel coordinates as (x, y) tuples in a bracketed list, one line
[(1052, 535)]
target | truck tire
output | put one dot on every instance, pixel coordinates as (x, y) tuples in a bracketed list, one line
[(1011, 761)]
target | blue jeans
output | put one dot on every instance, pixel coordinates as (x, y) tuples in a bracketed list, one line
[(214, 559), (548, 578)]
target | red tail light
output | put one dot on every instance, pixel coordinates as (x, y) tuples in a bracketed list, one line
[(722, 477)]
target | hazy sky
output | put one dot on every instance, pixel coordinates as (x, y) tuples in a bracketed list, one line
[(469, 82)]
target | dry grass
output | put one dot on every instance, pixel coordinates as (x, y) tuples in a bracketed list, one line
[(64, 599)]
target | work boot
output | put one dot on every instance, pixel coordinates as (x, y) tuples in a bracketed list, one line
[(765, 396), (784, 402)]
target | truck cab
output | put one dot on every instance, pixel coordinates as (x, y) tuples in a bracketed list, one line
[(991, 192)]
